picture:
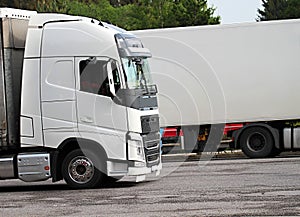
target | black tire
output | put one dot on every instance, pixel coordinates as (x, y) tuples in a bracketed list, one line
[(257, 142), (82, 169)]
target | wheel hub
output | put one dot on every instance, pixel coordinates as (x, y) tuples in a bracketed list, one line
[(256, 142), (81, 169)]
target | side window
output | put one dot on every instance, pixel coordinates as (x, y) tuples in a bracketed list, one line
[(94, 76)]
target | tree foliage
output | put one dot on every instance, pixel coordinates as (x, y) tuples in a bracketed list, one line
[(118, 3), (279, 9), (129, 14)]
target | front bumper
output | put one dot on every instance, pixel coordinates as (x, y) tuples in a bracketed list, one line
[(144, 157), (118, 169), (137, 171)]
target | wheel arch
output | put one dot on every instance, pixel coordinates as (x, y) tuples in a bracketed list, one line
[(69, 145), (274, 132)]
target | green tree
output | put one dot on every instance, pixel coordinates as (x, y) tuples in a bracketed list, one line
[(279, 9), (130, 14), (192, 13), (58, 6), (118, 3), (292, 10), (99, 9), (171, 13), (9, 3), (21, 4)]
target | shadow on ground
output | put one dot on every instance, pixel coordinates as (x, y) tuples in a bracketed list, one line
[(59, 187)]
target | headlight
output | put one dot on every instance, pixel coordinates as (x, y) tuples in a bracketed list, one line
[(136, 150)]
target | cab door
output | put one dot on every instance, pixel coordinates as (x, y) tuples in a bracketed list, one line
[(58, 100), (99, 118)]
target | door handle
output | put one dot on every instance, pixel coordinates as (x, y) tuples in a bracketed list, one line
[(86, 119)]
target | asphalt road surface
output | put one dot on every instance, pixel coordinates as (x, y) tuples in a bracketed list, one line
[(240, 187)]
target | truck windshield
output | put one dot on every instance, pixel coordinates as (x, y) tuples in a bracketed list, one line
[(137, 73)]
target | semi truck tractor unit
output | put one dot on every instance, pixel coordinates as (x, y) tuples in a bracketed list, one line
[(77, 101), (245, 74)]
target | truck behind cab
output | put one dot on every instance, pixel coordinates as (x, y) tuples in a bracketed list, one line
[(77, 101), (210, 76)]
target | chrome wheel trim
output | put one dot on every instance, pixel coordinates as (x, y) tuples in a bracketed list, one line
[(81, 169)]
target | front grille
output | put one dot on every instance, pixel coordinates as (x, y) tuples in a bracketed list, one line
[(152, 148), (151, 138), (153, 158), (150, 123), (151, 145)]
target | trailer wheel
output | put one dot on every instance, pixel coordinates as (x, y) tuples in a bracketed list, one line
[(82, 169), (257, 142)]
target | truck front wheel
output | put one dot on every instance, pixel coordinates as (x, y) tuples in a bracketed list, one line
[(257, 142), (82, 169)]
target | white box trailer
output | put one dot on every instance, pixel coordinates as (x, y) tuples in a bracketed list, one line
[(240, 73), (76, 102)]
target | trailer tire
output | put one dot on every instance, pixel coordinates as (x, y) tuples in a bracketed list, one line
[(82, 169), (257, 142)]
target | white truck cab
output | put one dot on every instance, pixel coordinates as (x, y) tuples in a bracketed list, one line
[(85, 104)]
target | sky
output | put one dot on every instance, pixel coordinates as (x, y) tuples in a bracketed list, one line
[(236, 11)]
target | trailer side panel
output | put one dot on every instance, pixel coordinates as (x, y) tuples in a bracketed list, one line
[(226, 73)]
